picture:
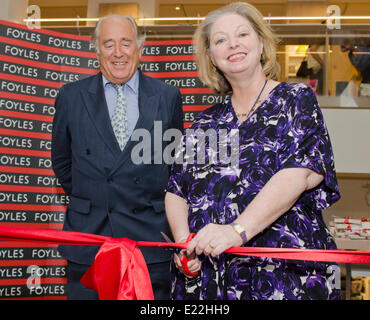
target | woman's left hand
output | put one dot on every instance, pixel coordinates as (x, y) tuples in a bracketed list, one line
[(214, 239)]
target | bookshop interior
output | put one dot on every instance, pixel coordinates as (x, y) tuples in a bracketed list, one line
[(322, 43)]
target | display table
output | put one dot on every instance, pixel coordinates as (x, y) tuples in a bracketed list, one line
[(356, 270)]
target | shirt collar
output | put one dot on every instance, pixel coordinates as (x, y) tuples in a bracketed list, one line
[(133, 83)]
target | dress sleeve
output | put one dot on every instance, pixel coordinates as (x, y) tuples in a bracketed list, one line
[(306, 143), (177, 169)]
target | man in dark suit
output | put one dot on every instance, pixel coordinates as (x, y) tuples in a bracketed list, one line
[(110, 193)]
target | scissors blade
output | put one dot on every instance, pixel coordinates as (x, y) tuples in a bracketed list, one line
[(166, 237)]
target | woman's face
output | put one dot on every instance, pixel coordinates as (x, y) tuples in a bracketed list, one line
[(235, 47)]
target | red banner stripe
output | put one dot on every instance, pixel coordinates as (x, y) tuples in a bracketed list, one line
[(37, 298), (167, 58), (168, 42), (49, 262), (22, 188), (195, 90), (26, 134), (61, 51), (14, 244), (31, 207), (46, 172), (187, 74), (25, 115), (33, 225), (187, 124), (48, 66), (24, 97), (26, 152), (195, 107), (20, 281)]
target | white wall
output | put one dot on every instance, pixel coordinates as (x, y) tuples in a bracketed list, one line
[(349, 131)]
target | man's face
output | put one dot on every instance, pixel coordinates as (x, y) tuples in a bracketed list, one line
[(119, 54)]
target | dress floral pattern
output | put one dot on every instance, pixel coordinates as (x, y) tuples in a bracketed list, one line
[(286, 131)]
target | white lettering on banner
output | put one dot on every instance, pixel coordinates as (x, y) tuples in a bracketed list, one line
[(7, 160), (22, 52), (48, 127), (47, 290), (188, 99), (45, 253), (7, 178), (45, 145), (189, 117), (17, 105), (18, 87), (16, 142), (48, 271), (11, 272), (65, 43), (180, 66), (67, 60), (45, 163), (23, 35), (209, 99), (13, 216), (93, 63), (48, 181), (20, 70), (11, 253), (51, 198), (49, 217), (16, 123), (10, 291), (51, 93), (61, 77), (12, 197), (151, 51), (49, 110), (181, 83), (149, 67), (181, 50)]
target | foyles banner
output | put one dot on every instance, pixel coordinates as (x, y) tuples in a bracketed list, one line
[(34, 64)]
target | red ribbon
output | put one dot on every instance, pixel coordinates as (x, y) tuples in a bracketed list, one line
[(119, 270)]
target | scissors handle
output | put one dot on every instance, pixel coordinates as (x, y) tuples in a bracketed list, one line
[(184, 260)]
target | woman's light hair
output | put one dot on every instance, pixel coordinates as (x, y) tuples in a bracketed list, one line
[(140, 38), (209, 74)]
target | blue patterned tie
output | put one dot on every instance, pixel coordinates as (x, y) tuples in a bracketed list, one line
[(119, 118)]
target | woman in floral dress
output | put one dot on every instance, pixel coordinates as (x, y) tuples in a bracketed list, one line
[(273, 195)]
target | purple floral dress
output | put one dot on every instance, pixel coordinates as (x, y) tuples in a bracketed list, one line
[(286, 131)]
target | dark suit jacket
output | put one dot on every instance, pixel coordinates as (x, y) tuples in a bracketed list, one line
[(109, 194)]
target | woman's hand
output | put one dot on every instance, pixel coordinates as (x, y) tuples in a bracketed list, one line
[(214, 239), (194, 263)]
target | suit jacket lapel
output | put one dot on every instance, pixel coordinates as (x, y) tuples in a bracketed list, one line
[(96, 106)]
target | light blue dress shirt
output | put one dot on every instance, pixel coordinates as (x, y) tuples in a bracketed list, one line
[(131, 92)]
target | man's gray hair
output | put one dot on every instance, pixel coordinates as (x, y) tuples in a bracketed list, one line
[(140, 38)]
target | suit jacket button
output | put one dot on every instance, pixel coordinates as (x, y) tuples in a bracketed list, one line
[(88, 151), (134, 210), (109, 180), (110, 210), (136, 180)]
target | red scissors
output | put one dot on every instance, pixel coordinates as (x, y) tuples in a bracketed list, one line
[(183, 258)]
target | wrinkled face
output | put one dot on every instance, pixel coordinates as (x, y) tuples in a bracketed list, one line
[(234, 45), (119, 54)]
